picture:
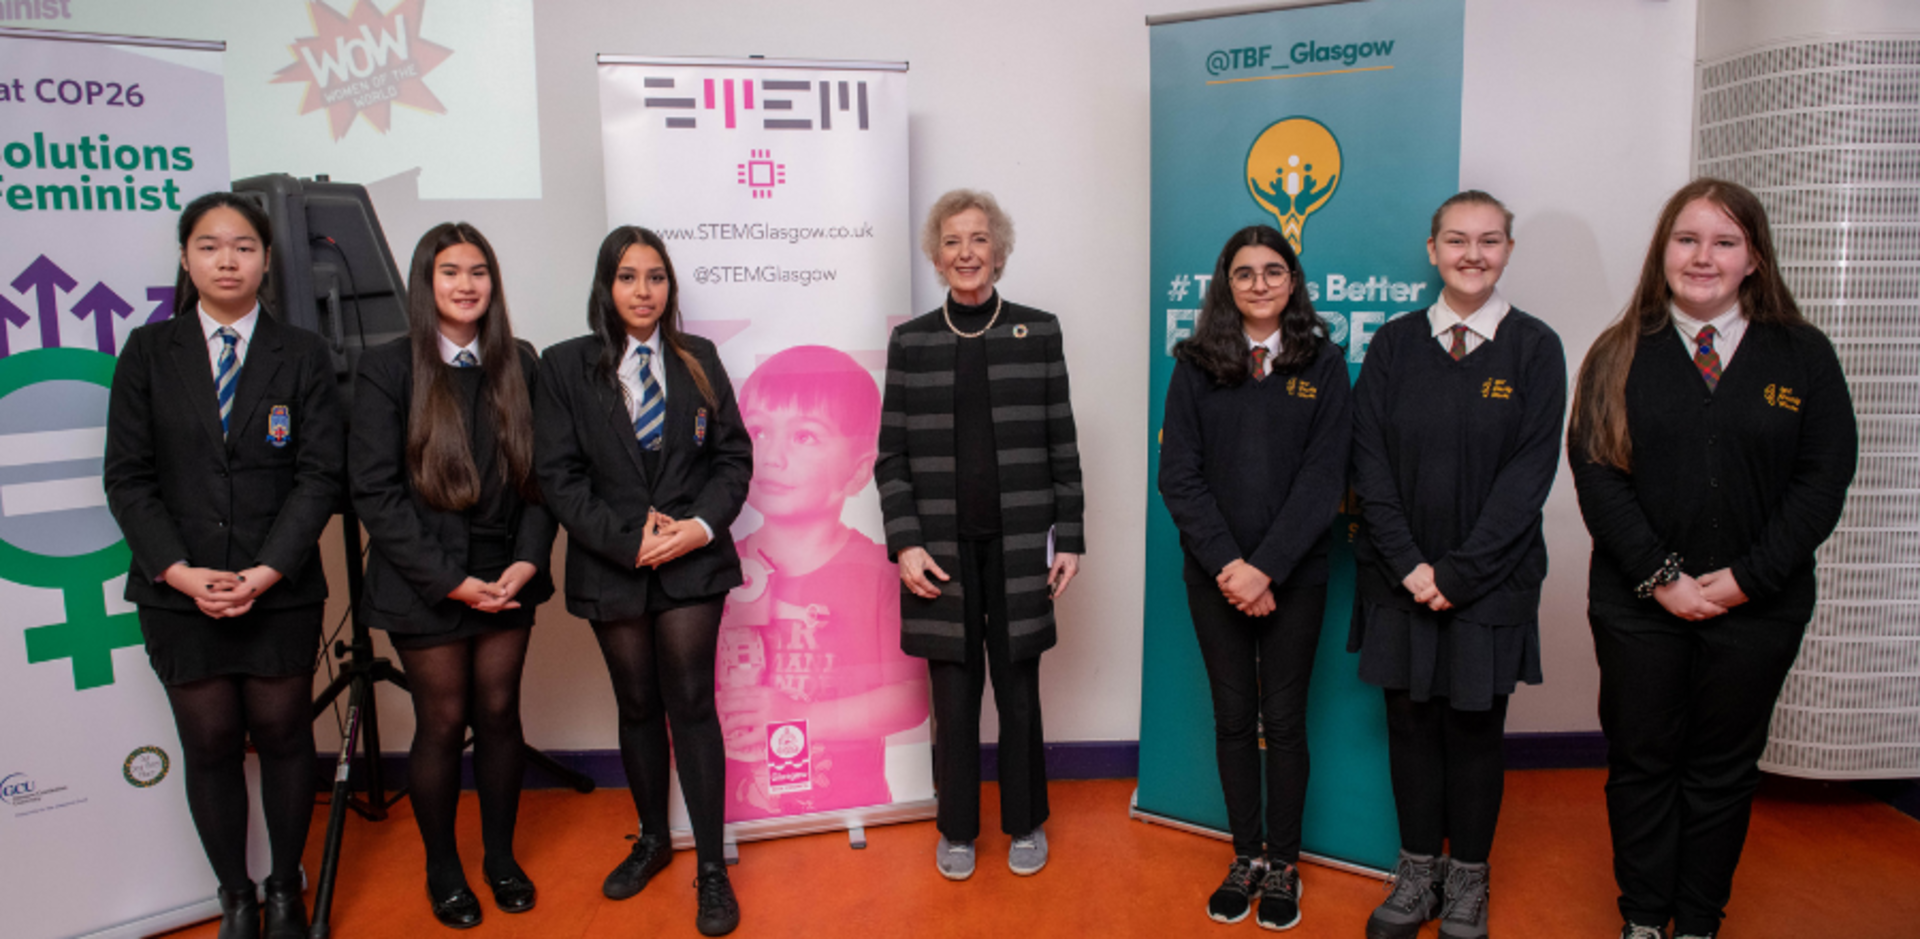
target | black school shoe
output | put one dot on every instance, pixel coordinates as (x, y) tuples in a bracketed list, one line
[(1279, 897), (512, 894), (719, 911), (1234, 900), (457, 910), (286, 911), (239, 914), (650, 855)]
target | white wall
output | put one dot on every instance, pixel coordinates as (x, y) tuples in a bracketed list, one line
[(1728, 27), (1575, 113)]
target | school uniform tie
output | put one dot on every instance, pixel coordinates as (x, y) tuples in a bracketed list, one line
[(465, 359), (1459, 347), (1705, 358), (1259, 363), (650, 425), (229, 377)]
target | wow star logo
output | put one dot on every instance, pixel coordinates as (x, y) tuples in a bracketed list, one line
[(363, 63)]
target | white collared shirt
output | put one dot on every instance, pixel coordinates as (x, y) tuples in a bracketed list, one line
[(1272, 342), (215, 345), (1481, 324), (1728, 327), (630, 372), (449, 351)]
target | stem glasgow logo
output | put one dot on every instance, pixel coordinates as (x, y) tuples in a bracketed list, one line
[(363, 63)]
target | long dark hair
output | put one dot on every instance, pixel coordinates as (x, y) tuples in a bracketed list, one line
[(1598, 430), (186, 296), (605, 319), (438, 454), (1219, 342)]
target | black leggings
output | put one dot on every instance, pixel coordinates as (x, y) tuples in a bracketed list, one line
[(1449, 773), (662, 670), (216, 717), (1258, 669), (472, 682)]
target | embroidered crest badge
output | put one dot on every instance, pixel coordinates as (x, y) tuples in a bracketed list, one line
[(279, 426)]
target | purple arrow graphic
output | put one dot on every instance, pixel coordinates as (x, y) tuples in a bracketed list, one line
[(44, 277), (103, 305), (162, 298), (10, 315)]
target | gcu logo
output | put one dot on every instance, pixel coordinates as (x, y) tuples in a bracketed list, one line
[(16, 788)]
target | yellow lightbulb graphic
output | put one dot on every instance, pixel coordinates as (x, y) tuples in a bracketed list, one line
[(1292, 169)]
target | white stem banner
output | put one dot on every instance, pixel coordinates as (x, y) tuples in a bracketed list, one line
[(780, 189), (105, 139)]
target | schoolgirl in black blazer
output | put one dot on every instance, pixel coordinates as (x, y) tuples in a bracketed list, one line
[(642, 456), (1712, 443), (223, 460), (1253, 462), (441, 464)]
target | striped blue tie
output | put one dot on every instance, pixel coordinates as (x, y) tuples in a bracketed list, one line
[(650, 425), (229, 376), (465, 359)]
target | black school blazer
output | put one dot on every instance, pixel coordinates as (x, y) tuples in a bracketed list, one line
[(596, 484), (181, 493), (419, 552)]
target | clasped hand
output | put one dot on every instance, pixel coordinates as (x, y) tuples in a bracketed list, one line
[(1248, 588), (498, 595), (665, 539), (1425, 592), (1713, 594), (221, 594)]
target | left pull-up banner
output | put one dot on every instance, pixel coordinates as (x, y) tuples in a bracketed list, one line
[(103, 139)]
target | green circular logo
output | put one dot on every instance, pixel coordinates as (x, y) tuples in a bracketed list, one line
[(145, 767)]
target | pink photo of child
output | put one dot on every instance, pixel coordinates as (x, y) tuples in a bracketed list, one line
[(810, 643)]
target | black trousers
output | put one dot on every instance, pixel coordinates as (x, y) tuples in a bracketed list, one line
[(957, 689), (1258, 669), (1449, 774), (1685, 707)]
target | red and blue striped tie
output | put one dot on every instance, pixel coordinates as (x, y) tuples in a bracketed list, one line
[(1705, 358)]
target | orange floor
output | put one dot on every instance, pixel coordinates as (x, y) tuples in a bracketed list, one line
[(1822, 860)]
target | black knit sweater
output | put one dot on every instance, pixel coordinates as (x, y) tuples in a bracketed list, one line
[(1452, 462), (1751, 476)]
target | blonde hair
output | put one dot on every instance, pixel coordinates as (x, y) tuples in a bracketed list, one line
[(999, 225)]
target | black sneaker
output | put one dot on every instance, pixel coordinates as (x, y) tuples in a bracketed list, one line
[(1637, 931), (649, 856), (1465, 913), (719, 911), (1234, 900), (1279, 897), (1418, 892)]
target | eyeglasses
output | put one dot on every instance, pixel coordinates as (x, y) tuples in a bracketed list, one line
[(1274, 275)]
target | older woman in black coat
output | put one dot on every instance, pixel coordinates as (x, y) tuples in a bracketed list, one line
[(979, 479)]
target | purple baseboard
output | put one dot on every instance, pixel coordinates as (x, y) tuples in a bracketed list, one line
[(1571, 750)]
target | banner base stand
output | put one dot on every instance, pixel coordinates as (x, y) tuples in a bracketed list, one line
[(854, 822), (1137, 814)]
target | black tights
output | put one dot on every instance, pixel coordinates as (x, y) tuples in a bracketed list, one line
[(1449, 773), (216, 717), (662, 670), (473, 682)]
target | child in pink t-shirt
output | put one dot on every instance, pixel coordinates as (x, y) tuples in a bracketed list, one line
[(813, 635)]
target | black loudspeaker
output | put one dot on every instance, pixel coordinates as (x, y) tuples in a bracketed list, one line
[(331, 272)]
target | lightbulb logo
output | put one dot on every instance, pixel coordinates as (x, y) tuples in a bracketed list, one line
[(1292, 169)]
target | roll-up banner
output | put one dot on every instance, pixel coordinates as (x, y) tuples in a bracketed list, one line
[(104, 139), (780, 190), (1340, 126)]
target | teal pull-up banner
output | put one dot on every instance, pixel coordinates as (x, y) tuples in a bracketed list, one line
[(1339, 125)]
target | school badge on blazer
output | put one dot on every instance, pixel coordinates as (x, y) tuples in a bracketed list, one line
[(700, 428), (279, 426)]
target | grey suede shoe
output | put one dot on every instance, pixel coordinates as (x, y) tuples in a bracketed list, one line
[(1465, 914), (1416, 898), (1029, 853), (954, 859)]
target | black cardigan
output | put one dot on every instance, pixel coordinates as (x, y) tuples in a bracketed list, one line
[(1256, 471), (182, 493), (419, 553), (1452, 462), (1751, 476), (598, 485)]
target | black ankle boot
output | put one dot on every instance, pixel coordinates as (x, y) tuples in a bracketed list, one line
[(239, 914), (286, 911)]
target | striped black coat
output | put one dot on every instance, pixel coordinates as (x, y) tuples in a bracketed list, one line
[(1039, 463)]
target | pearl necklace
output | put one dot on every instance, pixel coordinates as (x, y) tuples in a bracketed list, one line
[(999, 304)]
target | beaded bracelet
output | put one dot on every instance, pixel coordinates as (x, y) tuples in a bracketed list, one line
[(1668, 573)]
